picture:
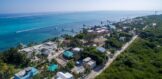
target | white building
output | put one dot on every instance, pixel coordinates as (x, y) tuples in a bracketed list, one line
[(46, 52), (61, 75), (89, 63), (86, 60), (78, 69), (46, 48), (77, 49), (101, 49), (154, 24)]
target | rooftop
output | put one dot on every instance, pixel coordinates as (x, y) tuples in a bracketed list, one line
[(86, 59), (101, 49), (26, 73), (61, 75), (77, 49), (53, 67), (68, 54), (91, 62)]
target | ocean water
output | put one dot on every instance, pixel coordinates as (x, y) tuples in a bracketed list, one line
[(37, 27)]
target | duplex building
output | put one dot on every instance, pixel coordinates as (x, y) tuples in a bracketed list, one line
[(27, 73)]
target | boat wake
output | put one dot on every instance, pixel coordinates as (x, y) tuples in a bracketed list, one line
[(55, 28), (27, 30)]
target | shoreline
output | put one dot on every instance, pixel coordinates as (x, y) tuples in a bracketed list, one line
[(67, 31), (42, 37), (89, 42)]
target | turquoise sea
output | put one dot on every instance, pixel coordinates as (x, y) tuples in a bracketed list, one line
[(37, 27)]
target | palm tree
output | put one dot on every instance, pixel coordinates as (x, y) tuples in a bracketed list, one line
[(84, 25), (101, 22)]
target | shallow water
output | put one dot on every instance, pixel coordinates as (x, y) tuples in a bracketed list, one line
[(37, 27)]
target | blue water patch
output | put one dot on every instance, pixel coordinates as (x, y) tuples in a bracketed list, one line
[(26, 28)]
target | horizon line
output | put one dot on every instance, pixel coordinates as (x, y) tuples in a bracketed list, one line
[(78, 11)]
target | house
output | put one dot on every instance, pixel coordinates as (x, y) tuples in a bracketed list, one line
[(61, 75), (78, 69), (99, 41), (154, 24), (122, 38), (46, 51), (86, 60), (68, 54), (101, 49), (76, 49), (91, 64), (52, 67), (49, 43), (112, 26), (125, 27), (119, 30), (90, 31), (27, 73), (102, 30)]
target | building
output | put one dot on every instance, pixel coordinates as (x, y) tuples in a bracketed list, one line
[(154, 24), (86, 60), (46, 49), (61, 75), (89, 63), (78, 69), (112, 26), (27, 73), (90, 31), (68, 54), (122, 39), (46, 52), (101, 49), (98, 30), (52, 67), (76, 49), (99, 41)]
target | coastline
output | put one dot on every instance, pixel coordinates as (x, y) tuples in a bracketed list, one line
[(43, 33), (111, 40)]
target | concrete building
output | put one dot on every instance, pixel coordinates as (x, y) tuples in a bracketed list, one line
[(27, 73), (86, 60), (89, 63), (78, 69), (101, 49), (68, 54), (61, 75), (76, 49), (46, 48)]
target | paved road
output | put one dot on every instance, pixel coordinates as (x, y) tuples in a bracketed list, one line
[(93, 74)]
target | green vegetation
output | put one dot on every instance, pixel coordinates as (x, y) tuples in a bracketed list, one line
[(43, 69), (70, 65), (12, 56), (142, 60), (10, 60), (6, 71), (99, 57), (113, 42)]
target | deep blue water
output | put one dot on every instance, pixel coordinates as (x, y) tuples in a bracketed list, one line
[(37, 27)]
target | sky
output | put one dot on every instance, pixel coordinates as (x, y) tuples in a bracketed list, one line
[(28, 6)]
